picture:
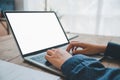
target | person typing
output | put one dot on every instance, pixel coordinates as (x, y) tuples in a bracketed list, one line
[(81, 67)]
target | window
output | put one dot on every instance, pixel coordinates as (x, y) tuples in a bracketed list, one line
[(101, 17)]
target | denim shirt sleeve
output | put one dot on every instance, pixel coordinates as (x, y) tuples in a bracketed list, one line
[(113, 50), (80, 67)]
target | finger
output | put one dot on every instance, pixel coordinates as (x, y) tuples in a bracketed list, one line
[(76, 48), (73, 49), (53, 49), (78, 44), (74, 44), (71, 46), (79, 51), (50, 52), (48, 57), (74, 41)]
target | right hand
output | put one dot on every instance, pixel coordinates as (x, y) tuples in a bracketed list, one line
[(87, 49), (57, 57)]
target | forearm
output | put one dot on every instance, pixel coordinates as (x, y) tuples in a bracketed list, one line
[(80, 67)]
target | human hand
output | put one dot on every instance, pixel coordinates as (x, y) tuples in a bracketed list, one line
[(57, 57), (87, 49)]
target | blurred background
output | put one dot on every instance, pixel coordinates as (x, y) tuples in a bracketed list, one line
[(99, 17)]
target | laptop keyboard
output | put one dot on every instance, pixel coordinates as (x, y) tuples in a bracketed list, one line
[(39, 58)]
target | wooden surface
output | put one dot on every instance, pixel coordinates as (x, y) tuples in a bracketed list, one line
[(3, 28), (10, 53)]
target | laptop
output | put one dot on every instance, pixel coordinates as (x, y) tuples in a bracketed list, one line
[(34, 33)]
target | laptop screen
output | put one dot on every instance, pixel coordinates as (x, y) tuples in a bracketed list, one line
[(35, 31)]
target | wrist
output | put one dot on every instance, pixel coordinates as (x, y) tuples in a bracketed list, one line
[(102, 48)]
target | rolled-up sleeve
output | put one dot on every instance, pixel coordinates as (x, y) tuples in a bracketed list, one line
[(113, 50), (80, 67)]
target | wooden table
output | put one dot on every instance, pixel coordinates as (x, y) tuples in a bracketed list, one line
[(10, 53), (4, 29)]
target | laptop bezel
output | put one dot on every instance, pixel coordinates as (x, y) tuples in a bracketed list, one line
[(40, 51)]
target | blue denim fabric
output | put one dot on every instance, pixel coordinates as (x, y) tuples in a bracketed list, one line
[(80, 67), (113, 50)]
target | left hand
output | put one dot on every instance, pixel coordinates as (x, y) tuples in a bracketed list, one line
[(57, 57), (87, 48)]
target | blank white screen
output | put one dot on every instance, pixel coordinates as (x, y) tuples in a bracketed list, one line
[(36, 31)]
